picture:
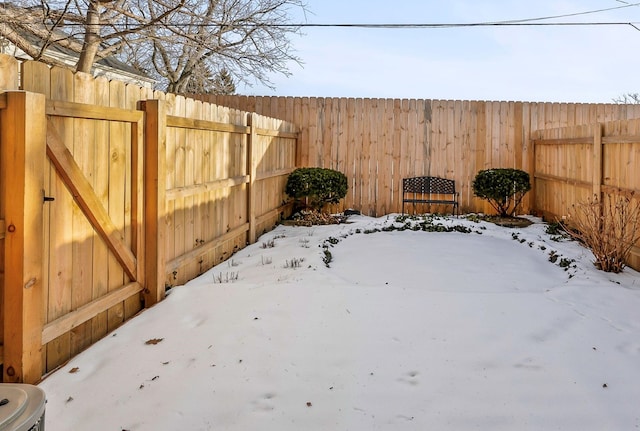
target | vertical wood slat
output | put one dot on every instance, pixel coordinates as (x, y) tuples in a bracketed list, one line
[(366, 182), (208, 259), (100, 283), (134, 230), (60, 232), (252, 171), (117, 192), (170, 183), (189, 209), (199, 162), (84, 237), (22, 167), (9, 72), (179, 157), (528, 157)]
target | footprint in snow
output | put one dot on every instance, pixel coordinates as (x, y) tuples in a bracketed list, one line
[(410, 378)]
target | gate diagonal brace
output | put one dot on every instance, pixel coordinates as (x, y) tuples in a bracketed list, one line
[(82, 192)]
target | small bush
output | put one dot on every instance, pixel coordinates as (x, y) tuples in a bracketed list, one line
[(609, 229), (503, 188), (331, 240), (555, 229), (317, 186), (328, 257)]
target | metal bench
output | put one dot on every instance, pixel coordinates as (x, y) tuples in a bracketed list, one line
[(430, 190)]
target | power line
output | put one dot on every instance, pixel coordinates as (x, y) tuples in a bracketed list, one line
[(577, 13), (530, 22), (457, 25), (381, 25), (506, 23)]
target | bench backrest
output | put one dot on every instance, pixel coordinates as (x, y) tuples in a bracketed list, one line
[(428, 185)]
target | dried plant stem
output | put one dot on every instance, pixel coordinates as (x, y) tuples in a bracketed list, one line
[(609, 228)]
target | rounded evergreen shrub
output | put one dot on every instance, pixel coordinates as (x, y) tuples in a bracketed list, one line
[(503, 188), (318, 186)]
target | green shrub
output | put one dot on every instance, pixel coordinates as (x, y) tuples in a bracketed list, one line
[(317, 186), (503, 188)]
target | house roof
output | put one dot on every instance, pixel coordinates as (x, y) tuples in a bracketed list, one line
[(110, 66)]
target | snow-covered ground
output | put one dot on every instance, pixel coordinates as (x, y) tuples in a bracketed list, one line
[(406, 330)]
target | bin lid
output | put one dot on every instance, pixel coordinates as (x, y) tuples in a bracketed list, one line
[(21, 406)]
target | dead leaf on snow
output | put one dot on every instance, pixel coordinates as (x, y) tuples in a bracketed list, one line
[(153, 341)]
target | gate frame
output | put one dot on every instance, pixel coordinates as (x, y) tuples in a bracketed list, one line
[(22, 161)]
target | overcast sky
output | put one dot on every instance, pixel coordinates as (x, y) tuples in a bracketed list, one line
[(554, 64)]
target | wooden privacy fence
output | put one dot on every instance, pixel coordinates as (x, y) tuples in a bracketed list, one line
[(226, 183), (377, 142), (573, 164), (110, 193)]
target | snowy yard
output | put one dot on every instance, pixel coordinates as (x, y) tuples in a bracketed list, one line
[(405, 331)]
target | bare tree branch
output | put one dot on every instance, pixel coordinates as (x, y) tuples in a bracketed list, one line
[(628, 99), (177, 41)]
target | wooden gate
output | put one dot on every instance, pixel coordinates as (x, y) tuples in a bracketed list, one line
[(90, 231), (71, 198), (92, 226)]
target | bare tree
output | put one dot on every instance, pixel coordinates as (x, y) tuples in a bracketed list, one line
[(176, 41), (247, 38), (628, 99), (93, 29)]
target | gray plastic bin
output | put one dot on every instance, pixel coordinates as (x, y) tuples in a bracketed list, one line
[(21, 407)]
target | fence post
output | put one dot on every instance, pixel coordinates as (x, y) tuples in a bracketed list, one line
[(252, 169), (22, 160), (298, 155), (531, 153), (155, 202), (597, 161)]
